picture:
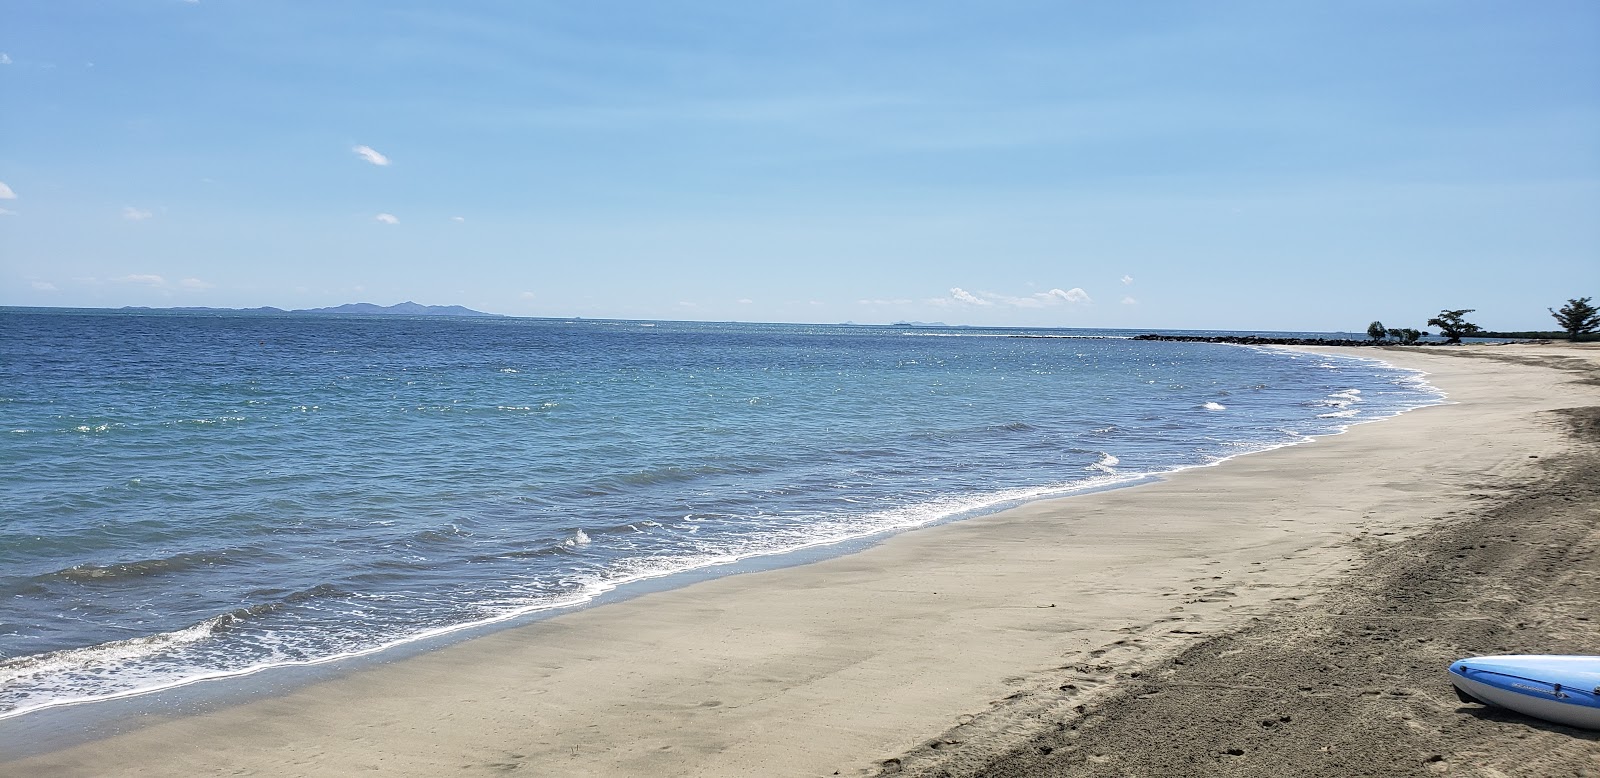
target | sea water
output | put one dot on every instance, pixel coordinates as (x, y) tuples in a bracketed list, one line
[(199, 495)]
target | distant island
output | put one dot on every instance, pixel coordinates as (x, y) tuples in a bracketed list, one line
[(406, 308)]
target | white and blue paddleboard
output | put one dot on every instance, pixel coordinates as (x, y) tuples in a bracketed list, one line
[(1563, 689)]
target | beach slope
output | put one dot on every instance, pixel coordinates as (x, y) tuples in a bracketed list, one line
[(965, 648)]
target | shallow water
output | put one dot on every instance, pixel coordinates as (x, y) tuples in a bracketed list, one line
[(193, 495)]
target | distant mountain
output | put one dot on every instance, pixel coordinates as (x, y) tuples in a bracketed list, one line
[(406, 308)]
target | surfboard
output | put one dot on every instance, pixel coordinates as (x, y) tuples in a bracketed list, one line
[(1563, 689)]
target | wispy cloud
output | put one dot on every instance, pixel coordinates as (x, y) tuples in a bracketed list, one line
[(1036, 300), (1129, 301), (746, 301), (963, 296), (1127, 280), (387, 218), (135, 214), (155, 281), (1073, 295), (371, 154), (6, 193), (884, 302), (44, 286), (458, 219), (7, 212), (5, 59), (528, 295)]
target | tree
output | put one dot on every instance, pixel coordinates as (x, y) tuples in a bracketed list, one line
[(1377, 331), (1453, 324), (1407, 335), (1577, 317)]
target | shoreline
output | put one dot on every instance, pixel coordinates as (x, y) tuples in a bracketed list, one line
[(849, 663), (1347, 678), (229, 685)]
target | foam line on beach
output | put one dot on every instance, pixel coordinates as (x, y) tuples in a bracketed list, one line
[(876, 525)]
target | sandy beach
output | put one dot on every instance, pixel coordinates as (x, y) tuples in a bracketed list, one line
[(1297, 607)]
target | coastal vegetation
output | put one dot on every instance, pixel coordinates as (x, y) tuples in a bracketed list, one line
[(1406, 335), (1577, 317), (1453, 325)]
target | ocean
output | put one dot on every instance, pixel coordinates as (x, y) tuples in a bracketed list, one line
[(202, 495)]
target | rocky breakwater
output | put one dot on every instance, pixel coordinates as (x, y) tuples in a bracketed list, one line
[(1255, 340)]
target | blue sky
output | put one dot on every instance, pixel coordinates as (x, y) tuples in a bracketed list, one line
[(1302, 165)]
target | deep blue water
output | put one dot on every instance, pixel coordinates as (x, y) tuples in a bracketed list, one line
[(188, 495)]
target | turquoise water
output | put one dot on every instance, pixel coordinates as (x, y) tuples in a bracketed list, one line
[(199, 495)]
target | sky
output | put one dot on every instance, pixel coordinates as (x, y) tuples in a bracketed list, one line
[(1221, 165)]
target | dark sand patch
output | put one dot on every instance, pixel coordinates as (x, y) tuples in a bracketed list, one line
[(1351, 681)]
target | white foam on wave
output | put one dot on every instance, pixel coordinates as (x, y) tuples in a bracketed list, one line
[(825, 531), (218, 420), (1344, 414), (104, 654), (1107, 464), (1214, 406)]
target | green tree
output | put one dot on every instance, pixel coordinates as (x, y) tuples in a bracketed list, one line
[(1377, 331), (1577, 317), (1407, 335), (1453, 324)]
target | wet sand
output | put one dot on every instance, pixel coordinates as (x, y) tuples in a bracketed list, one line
[(1347, 678), (1007, 644)]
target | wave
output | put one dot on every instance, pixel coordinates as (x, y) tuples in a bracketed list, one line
[(1214, 406), (1015, 426), (589, 573), (112, 653), (93, 428), (663, 475), (1107, 464), (177, 563)]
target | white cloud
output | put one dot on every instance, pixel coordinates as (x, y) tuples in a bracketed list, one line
[(458, 219), (1073, 295), (528, 295), (962, 295), (1129, 301), (387, 218), (195, 283), (884, 302), (7, 212), (135, 214), (6, 193), (5, 59), (44, 286), (143, 279), (370, 154), (686, 304), (746, 301), (1127, 280)]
